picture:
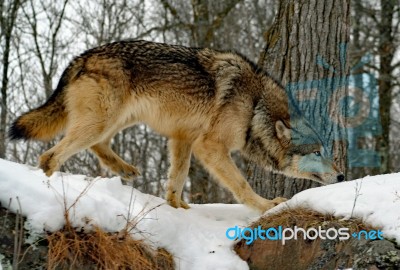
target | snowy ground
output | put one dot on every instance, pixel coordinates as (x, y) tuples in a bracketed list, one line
[(196, 237), (373, 199)]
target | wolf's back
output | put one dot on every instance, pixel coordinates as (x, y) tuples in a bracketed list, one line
[(50, 119)]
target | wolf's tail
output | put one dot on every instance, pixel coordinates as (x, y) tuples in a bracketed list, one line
[(50, 119)]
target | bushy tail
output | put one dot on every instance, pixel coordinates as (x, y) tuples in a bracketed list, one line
[(42, 123), (50, 119)]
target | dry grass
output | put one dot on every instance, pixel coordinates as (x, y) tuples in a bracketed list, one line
[(69, 249), (97, 249), (306, 218)]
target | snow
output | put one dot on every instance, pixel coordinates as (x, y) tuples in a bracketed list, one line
[(196, 237), (373, 199)]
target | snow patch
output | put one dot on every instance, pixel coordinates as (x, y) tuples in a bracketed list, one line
[(373, 199), (195, 237)]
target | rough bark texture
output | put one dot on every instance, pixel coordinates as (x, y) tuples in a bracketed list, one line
[(303, 33), (8, 16)]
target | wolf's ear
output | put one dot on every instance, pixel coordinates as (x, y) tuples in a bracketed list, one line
[(282, 131)]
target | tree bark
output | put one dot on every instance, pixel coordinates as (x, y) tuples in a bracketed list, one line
[(304, 33), (202, 188), (7, 19)]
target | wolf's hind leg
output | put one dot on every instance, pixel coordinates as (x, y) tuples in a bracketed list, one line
[(180, 152), (111, 160), (77, 138), (94, 108)]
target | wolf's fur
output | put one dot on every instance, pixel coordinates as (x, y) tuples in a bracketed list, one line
[(206, 102)]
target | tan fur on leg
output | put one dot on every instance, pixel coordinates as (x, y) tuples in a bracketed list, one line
[(111, 160), (180, 163), (217, 160)]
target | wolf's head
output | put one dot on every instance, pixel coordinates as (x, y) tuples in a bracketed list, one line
[(291, 147), (303, 154)]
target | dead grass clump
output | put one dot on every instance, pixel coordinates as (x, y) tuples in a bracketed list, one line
[(306, 218), (70, 249)]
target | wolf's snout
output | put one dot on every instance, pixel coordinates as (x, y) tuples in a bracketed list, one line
[(340, 177)]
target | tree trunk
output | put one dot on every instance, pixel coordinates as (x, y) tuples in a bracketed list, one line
[(306, 44), (199, 178), (202, 188), (386, 51), (201, 24), (8, 16)]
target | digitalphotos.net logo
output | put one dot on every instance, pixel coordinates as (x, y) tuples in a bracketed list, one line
[(284, 234)]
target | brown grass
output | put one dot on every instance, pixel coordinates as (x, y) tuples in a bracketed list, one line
[(69, 249), (306, 218), (97, 249)]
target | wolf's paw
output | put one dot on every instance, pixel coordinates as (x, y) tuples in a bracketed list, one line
[(268, 204), (128, 172), (184, 205), (177, 203), (279, 200), (47, 163)]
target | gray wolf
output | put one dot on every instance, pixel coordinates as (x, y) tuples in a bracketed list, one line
[(206, 102)]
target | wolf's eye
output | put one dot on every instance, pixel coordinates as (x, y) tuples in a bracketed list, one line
[(317, 153)]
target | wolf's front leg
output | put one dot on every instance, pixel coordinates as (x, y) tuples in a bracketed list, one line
[(216, 157), (180, 152)]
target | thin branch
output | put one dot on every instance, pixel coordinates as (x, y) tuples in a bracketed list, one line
[(54, 35), (18, 236), (174, 12), (357, 194), (159, 28), (219, 18)]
